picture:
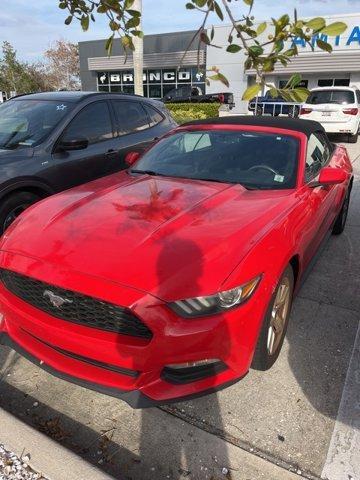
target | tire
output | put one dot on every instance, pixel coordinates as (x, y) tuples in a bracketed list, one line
[(269, 345), (258, 111), (340, 221), (13, 205), (353, 138)]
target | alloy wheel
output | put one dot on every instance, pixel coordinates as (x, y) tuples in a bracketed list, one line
[(279, 315)]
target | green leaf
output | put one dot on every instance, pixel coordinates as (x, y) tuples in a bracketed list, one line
[(85, 22), (62, 5), (248, 64), (204, 38), (109, 44), (334, 29), (218, 11), (233, 48), (324, 45), (212, 34), (268, 65), (68, 20), (299, 94), (251, 92), (114, 26), (261, 28), (294, 80), (219, 77), (200, 3), (133, 22), (316, 23), (256, 50), (249, 2), (134, 13), (273, 92), (102, 9), (137, 33), (190, 6)]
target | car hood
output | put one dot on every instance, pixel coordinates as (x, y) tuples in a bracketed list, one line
[(169, 237)]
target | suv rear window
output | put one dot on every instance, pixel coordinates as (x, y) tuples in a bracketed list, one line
[(340, 97)]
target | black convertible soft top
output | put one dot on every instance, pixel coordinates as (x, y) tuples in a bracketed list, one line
[(306, 126)]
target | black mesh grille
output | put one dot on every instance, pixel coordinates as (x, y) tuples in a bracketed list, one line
[(77, 308)]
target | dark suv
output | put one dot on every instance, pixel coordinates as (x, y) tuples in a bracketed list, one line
[(53, 141)]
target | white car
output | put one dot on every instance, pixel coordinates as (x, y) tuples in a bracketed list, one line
[(336, 108)]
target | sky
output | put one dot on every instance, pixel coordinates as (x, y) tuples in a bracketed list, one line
[(31, 26)]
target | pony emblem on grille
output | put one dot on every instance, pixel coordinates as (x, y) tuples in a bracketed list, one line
[(55, 300)]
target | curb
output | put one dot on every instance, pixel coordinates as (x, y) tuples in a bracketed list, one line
[(47, 456)]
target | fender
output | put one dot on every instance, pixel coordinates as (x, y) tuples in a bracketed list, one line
[(23, 184)]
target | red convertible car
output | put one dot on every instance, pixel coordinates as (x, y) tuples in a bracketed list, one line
[(171, 279)]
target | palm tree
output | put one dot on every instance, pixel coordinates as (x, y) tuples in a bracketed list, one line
[(138, 54)]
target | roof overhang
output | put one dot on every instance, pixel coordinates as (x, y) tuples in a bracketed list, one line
[(151, 60), (316, 62)]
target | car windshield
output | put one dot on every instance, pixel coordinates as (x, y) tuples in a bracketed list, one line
[(340, 97), (26, 123), (253, 159)]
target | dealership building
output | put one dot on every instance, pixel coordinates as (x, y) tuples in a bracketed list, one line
[(164, 52)]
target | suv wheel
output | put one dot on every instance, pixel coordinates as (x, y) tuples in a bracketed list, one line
[(353, 138), (274, 326), (13, 205)]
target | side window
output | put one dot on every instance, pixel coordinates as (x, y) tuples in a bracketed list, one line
[(131, 116), (92, 122), (196, 141), (154, 115), (358, 96), (317, 156)]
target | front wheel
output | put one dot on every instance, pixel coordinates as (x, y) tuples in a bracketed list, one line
[(13, 205), (275, 323), (340, 221)]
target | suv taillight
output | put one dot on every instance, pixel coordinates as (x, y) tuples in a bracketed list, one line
[(305, 111), (351, 111), (221, 98)]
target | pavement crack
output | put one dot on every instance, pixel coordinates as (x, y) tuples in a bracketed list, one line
[(237, 442)]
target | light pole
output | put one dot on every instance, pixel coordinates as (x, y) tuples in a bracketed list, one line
[(138, 54)]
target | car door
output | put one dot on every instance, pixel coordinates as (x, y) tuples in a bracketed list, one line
[(74, 167), (320, 200), (136, 130)]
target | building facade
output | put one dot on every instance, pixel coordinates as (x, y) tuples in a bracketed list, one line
[(164, 52), (317, 68)]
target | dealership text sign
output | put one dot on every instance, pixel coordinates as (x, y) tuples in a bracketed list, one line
[(149, 76), (346, 40)]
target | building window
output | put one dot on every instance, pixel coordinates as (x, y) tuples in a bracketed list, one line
[(157, 83), (333, 82), (304, 83)]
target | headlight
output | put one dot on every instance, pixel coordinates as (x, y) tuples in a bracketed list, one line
[(211, 304)]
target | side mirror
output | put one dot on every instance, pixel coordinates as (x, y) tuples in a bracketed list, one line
[(79, 143), (331, 176), (131, 157)]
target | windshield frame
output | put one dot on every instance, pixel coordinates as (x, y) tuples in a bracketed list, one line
[(70, 108), (301, 150)]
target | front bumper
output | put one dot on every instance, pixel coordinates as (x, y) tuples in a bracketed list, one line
[(127, 367)]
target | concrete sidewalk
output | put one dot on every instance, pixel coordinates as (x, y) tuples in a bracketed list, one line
[(46, 456), (58, 463)]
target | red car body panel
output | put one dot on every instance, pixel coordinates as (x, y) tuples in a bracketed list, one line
[(145, 241)]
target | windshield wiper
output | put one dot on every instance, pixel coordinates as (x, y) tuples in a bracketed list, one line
[(146, 172)]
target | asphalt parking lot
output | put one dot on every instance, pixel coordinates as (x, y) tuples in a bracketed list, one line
[(286, 415)]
